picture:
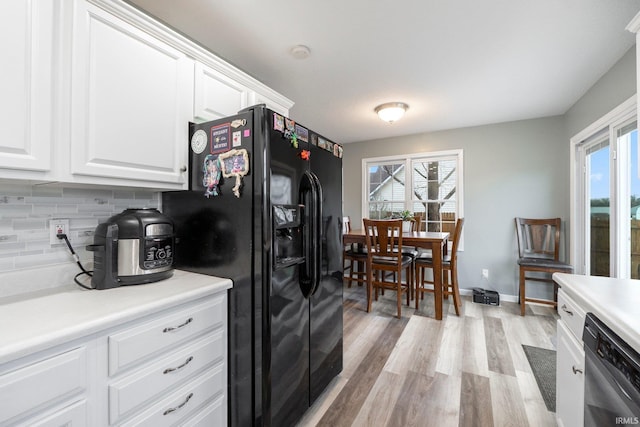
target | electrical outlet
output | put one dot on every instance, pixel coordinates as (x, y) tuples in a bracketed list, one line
[(58, 226), (485, 273)]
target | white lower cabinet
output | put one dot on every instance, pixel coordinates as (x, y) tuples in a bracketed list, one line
[(32, 391), (165, 369), (570, 363)]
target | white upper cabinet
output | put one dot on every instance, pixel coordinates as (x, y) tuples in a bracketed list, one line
[(216, 95), (26, 29), (132, 97), (98, 92), (276, 102)]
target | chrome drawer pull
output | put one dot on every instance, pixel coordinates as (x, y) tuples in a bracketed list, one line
[(170, 410), (569, 312), (186, 362), (576, 370), (173, 328)]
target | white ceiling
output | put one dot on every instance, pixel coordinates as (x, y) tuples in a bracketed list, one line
[(457, 63)]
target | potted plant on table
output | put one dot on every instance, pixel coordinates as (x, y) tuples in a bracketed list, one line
[(407, 218)]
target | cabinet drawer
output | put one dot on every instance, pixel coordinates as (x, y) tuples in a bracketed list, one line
[(147, 339), (126, 394), (180, 404), (43, 382), (571, 313), (74, 415), (215, 414)]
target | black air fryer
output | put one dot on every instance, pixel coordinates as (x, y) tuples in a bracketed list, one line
[(132, 248)]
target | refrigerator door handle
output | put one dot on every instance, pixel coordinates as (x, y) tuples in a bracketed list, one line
[(308, 197), (317, 230)]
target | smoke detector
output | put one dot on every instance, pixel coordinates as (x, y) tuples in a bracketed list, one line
[(300, 52)]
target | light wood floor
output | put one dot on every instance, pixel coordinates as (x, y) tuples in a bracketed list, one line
[(418, 371)]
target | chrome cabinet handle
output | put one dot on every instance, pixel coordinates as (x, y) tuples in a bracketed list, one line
[(564, 308), (173, 328), (186, 362), (183, 169), (576, 370), (170, 410)]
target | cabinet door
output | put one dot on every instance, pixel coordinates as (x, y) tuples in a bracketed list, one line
[(132, 99), (25, 105), (69, 416), (257, 98), (53, 378), (569, 379), (216, 96)]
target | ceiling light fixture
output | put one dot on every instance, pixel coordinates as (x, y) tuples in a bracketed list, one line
[(391, 111), (300, 52)]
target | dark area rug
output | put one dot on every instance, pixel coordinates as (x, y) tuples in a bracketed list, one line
[(543, 365)]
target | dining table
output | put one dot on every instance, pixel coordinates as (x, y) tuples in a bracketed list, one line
[(436, 241)]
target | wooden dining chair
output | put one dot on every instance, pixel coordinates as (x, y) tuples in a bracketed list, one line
[(449, 271), (539, 253), (417, 226), (354, 259), (384, 255)]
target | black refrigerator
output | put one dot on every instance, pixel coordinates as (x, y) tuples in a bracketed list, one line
[(264, 208)]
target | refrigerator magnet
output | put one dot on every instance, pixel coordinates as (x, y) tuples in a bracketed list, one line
[(199, 141), (220, 138), (278, 122), (236, 139), (235, 163), (303, 133), (290, 124), (292, 137), (211, 175)]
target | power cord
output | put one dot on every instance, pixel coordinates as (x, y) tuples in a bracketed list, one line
[(64, 237)]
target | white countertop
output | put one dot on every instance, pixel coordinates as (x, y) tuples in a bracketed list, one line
[(41, 320), (614, 301)]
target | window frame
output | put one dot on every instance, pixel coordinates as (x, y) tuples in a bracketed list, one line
[(606, 126), (408, 159)]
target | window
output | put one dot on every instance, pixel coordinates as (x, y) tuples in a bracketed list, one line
[(427, 184), (606, 196)]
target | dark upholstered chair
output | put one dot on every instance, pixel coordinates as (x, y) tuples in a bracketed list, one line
[(539, 253), (384, 255)]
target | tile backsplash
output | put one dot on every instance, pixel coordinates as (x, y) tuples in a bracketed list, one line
[(25, 211)]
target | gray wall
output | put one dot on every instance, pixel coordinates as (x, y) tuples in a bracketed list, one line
[(510, 169), (615, 87)]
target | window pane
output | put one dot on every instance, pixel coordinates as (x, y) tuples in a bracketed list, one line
[(386, 183), (385, 209), (599, 197), (434, 192)]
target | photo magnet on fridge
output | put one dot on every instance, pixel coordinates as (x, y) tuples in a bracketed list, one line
[(235, 163), (302, 132), (278, 122), (211, 175)]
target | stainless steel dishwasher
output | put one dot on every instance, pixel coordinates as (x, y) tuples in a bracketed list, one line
[(612, 377)]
